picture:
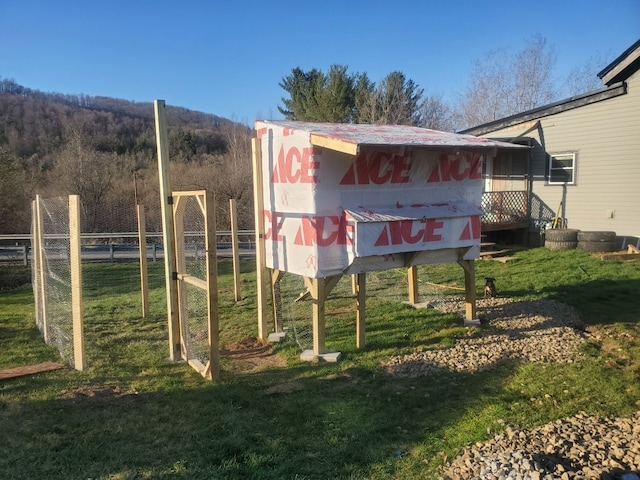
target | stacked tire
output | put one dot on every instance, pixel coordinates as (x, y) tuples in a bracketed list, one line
[(597, 241), (561, 239)]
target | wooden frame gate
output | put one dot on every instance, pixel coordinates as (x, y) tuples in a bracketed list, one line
[(196, 276)]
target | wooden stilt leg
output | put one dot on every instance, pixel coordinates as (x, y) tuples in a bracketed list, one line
[(360, 286)]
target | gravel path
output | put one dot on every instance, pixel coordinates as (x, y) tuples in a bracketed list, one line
[(579, 447)]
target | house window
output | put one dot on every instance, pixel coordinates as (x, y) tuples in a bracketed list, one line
[(562, 169)]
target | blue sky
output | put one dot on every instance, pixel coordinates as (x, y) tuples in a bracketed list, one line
[(228, 57)]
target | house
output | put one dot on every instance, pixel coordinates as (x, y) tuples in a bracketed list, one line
[(583, 168)]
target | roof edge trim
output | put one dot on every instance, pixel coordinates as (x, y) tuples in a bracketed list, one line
[(589, 98)]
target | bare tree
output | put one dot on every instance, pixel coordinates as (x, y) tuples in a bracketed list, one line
[(436, 114), (584, 78), (85, 172), (504, 84)]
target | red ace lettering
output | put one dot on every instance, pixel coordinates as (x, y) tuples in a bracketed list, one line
[(273, 223), (323, 231), (410, 232), (378, 168), (471, 229), (456, 169), (296, 166)]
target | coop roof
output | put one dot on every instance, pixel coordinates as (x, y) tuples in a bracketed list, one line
[(400, 212), (348, 138)]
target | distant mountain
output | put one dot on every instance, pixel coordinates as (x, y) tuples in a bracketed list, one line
[(32, 122), (58, 144)]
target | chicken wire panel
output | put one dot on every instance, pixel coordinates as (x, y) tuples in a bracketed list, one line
[(294, 310), (195, 246), (195, 324), (56, 276)]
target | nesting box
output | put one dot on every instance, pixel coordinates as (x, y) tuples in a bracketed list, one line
[(353, 198)]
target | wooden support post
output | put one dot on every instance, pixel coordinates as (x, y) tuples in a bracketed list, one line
[(42, 277), (235, 248), (76, 282), (261, 271), (276, 276), (168, 238), (360, 284), (144, 273), (412, 277), (469, 291), (318, 297)]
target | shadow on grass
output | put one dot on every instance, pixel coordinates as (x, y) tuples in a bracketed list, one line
[(355, 423), (601, 300)]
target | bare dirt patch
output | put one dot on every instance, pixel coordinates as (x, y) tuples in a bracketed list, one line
[(250, 355)]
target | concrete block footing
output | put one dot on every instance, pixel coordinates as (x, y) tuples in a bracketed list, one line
[(472, 323), (309, 356), (275, 337)]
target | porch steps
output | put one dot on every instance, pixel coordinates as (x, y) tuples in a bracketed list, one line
[(490, 250)]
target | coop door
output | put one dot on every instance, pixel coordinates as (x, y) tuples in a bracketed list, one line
[(196, 267)]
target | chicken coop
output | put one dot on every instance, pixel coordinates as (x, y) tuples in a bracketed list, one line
[(341, 199)]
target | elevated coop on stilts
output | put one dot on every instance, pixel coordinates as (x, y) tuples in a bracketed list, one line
[(340, 199)]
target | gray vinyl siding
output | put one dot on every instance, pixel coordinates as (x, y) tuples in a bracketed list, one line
[(606, 139)]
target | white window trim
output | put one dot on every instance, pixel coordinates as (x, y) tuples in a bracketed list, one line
[(563, 156)]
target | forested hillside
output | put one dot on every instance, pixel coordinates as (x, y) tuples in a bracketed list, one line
[(104, 150)]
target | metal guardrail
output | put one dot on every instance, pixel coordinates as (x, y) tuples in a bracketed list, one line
[(111, 251)]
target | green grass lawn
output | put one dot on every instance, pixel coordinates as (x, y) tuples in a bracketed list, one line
[(132, 414)]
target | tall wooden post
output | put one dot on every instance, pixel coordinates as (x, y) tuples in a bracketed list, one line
[(233, 214), (144, 274), (41, 277), (166, 200), (261, 270), (76, 282), (412, 277), (469, 292), (318, 297)]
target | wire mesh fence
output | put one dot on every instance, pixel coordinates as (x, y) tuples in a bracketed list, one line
[(192, 248), (52, 275), (435, 291)]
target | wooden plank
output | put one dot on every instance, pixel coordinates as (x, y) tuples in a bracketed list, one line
[(75, 261), (42, 284), (16, 372), (180, 265), (195, 281), (276, 276), (162, 142), (258, 205), (336, 144)]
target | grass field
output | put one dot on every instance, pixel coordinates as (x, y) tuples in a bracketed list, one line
[(132, 414)]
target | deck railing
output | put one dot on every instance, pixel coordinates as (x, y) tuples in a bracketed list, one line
[(507, 207)]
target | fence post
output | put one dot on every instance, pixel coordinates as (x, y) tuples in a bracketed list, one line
[(233, 214), (162, 143), (144, 274), (25, 256), (40, 277), (76, 282)]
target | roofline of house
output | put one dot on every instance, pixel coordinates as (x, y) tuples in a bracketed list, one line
[(578, 101), (618, 60)]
